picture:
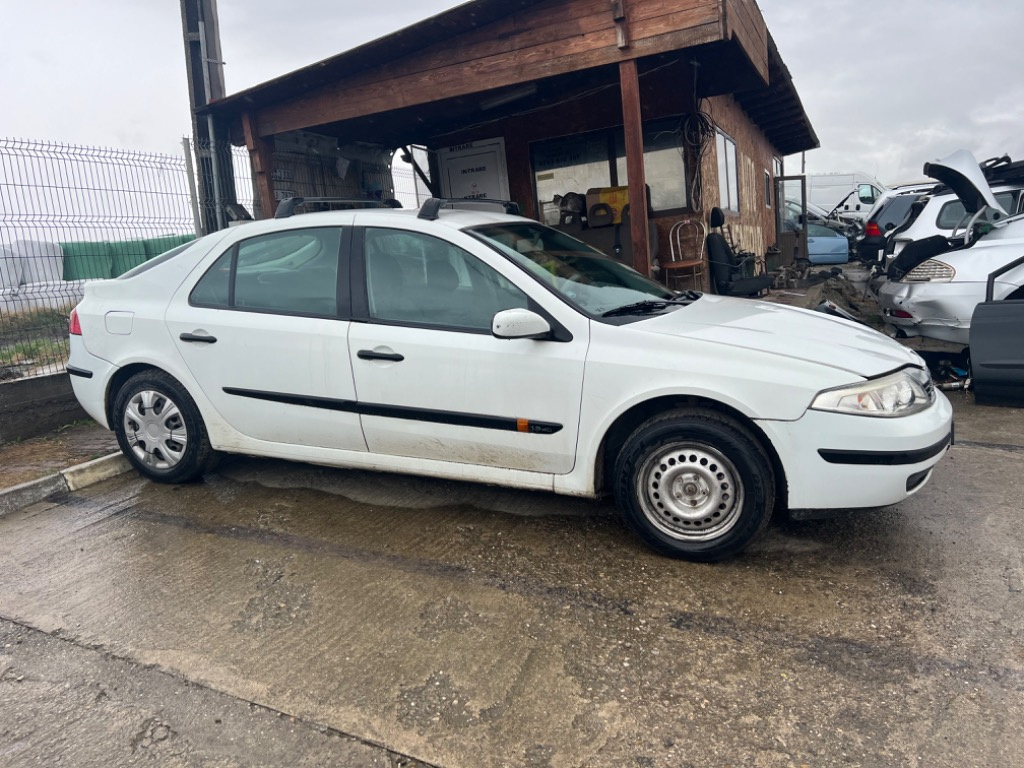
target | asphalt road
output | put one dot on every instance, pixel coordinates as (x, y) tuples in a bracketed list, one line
[(288, 615)]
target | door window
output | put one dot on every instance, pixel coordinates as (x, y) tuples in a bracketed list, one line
[(867, 193), (292, 272), (421, 280)]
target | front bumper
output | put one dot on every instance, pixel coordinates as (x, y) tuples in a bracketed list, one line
[(838, 461)]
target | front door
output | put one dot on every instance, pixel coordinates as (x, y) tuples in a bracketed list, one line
[(432, 380)]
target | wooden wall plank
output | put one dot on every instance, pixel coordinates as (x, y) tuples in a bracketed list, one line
[(360, 96)]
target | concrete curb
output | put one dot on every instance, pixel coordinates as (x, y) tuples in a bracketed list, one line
[(72, 479)]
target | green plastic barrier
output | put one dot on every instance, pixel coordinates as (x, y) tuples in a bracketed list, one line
[(85, 261), (157, 245), (126, 255)]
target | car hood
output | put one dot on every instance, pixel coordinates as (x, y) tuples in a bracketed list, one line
[(782, 331), (961, 173)]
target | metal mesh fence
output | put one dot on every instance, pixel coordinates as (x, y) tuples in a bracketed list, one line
[(69, 214)]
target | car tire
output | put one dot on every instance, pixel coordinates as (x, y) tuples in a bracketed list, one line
[(160, 430), (694, 484)]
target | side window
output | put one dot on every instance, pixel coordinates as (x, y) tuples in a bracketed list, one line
[(728, 178), (953, 214), (421, 280), (867, 193), (294, 272)]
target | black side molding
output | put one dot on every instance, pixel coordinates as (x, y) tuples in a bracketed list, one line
[(885, 458), (430, 416), (81, 372)]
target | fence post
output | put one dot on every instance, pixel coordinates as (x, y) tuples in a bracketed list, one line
[(193, 194)]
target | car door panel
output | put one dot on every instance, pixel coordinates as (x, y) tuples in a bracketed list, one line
[(433, 382), (469, 398), (272, 373)]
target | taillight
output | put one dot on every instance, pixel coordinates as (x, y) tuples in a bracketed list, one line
[(930, 271), (872, 230), (74, 327), (902, 313)]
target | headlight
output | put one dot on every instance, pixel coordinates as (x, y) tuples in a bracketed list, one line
[(898, 394)]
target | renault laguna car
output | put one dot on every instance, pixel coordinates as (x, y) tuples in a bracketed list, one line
[(477, 345)]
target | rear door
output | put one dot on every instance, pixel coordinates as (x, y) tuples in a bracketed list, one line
[(264, 332)]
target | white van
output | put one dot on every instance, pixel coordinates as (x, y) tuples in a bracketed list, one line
[(853, 193)]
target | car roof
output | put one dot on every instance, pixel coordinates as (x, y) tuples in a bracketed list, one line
[(403, 218)]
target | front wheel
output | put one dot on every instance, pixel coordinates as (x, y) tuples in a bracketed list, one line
[(159, 428), (694, 484)]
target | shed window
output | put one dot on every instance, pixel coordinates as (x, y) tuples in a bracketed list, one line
[(574, 164), (728, 178)]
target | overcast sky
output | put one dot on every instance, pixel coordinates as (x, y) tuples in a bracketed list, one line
[(888, 84)]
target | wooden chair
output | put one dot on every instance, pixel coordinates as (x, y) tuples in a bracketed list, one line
[(679, 268)]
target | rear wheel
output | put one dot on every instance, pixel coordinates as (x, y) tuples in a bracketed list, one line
[(159, 428), (694, 484)]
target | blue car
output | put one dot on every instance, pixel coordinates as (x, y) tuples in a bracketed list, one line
[(826, 246)]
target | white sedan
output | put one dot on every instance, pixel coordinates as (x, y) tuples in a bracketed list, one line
[(473, 345)]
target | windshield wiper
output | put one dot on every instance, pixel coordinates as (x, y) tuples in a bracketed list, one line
[(651, 305)]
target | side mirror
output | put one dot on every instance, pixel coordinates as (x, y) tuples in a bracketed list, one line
[(520, 324)]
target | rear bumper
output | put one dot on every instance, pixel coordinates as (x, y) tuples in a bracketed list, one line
[(937, 310), (90, 376)]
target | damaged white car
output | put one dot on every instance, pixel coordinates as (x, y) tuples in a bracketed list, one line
[(935, 283)]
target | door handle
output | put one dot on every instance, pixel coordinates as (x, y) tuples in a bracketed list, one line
[(369, 354), (202, 339)]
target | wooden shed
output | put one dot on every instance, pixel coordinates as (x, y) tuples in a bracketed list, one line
[(670, 106)]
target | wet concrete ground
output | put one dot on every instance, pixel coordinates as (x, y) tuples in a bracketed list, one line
[(281, 614)]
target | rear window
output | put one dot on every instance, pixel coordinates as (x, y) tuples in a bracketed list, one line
[(148, 265), (895, 211), (953, 213)]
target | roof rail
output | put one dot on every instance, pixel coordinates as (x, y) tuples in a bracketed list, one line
[(429, 210), (1010, 173), (286, 207)]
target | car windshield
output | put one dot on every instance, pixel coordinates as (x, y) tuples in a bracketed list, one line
[(584, 276)]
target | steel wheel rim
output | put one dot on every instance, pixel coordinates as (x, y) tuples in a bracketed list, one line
[(155, 429), (690, 492)]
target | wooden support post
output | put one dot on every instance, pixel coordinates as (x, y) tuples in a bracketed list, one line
[(632, 120), (262, 160)]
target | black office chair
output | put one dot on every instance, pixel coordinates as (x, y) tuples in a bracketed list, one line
[(726, 268)]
